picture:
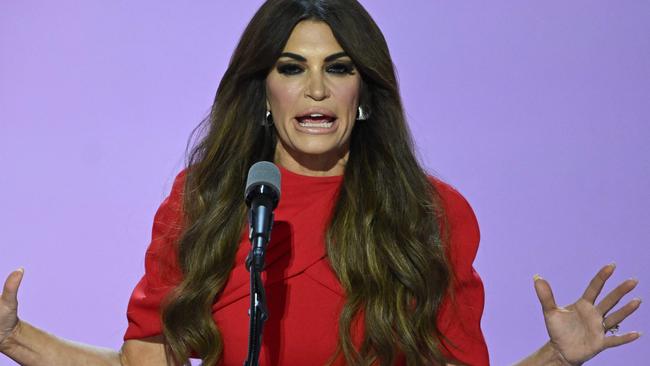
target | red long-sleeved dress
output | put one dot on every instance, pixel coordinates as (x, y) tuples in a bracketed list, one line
[(303, 294)]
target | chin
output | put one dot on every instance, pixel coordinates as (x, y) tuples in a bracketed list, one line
[(314, 148)]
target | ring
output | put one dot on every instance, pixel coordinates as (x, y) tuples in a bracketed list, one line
[(613, 329)]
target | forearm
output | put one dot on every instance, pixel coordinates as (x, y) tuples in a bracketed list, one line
[(30, 346), (545, 356)]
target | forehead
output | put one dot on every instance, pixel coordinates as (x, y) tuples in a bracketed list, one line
[(312, 38)]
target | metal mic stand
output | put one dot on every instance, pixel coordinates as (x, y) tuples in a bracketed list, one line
[(258, 312)]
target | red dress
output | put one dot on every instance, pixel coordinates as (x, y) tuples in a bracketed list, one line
[(303, 294)]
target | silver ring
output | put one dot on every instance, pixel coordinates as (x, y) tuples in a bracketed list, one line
[(613, 329)]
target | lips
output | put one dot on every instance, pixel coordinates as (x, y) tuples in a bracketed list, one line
[(316, 118)]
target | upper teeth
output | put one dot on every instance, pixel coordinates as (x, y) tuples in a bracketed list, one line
[(316, 115)]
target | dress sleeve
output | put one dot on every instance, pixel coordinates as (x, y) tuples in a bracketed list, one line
[(459, 319), (162, 272)]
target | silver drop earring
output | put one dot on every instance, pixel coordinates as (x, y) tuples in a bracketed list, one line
[(268, 119), (361, 114)]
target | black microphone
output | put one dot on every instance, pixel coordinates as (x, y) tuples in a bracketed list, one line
[(262, 196)]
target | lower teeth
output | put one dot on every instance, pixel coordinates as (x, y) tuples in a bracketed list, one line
[(320, 125)]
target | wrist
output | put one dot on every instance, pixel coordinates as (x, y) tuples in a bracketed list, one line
[(556, 357), (11, 339)]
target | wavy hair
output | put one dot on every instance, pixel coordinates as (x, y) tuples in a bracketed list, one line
[(384, 238)]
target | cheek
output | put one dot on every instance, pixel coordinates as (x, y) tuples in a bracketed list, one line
[(347, 93), (282, 96)]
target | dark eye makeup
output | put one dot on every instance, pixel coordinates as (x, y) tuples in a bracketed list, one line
[(341, 68), (337, 68), (289, 69)]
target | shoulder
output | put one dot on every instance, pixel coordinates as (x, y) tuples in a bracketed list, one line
[(462, 225), (178, 185), (460, 315), (172, 204), (162, 272), (160, 260), (456, 206)]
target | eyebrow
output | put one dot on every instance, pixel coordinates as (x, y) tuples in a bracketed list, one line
[(297, 57)]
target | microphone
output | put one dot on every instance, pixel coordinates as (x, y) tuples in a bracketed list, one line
[(262, 196)]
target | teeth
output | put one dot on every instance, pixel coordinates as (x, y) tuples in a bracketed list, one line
[(320, 124), (316, 115)]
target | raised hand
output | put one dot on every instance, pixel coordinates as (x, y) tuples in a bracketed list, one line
[(9, 304), (579, 331)]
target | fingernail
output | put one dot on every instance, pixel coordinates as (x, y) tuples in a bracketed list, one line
[(21, 270), (537, 277), (613, 264), (639, 333), (637, 299)]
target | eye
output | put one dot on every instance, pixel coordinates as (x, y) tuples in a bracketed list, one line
[(289, 69), (341, 68)]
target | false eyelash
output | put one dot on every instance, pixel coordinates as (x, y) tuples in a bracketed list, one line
[(343, 68), (336, 68), (289, 69)]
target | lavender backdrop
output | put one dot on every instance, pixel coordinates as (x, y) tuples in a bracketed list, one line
[(538, 112)]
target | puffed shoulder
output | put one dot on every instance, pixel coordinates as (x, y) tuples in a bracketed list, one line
[(463, 227), (162, 272), (459, 319)]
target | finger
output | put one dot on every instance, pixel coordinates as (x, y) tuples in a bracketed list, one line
[(612, 298), (597, 283), (615, 341), (10, 289), (544, 293), (619, 315)]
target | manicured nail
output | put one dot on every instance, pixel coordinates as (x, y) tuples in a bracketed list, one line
[(21, 270), (638, 299), (613, 265), (537, 277)]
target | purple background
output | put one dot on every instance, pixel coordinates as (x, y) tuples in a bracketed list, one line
[(538, 112)]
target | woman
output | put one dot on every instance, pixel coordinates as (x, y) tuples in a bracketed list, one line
[(370, 261)]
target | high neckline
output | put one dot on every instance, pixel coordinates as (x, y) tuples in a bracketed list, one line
[(297, 178)]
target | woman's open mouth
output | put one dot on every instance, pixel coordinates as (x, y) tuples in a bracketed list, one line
[(316, 120), (316, 123)]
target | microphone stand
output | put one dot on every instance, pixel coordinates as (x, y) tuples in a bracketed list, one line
[(258, 312)]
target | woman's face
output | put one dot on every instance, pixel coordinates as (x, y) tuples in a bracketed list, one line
[(313, 94)]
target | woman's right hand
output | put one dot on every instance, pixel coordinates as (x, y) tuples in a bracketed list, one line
[(9, 305)]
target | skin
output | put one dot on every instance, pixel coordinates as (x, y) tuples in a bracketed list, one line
[(575, 331), (295, 85)]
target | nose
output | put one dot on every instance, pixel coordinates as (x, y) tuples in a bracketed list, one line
[(316, 88)]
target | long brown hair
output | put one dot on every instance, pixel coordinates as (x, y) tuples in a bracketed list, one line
[(383, 241)]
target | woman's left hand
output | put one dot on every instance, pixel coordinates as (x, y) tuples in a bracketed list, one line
[(579, 331)]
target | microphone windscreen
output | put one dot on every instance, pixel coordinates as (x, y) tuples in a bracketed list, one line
[(263, 172)]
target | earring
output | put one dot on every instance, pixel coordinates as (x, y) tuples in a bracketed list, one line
[(268, 119), (362, 115)]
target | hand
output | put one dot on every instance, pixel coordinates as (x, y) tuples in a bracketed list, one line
[(578, 331), (9, 305)]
